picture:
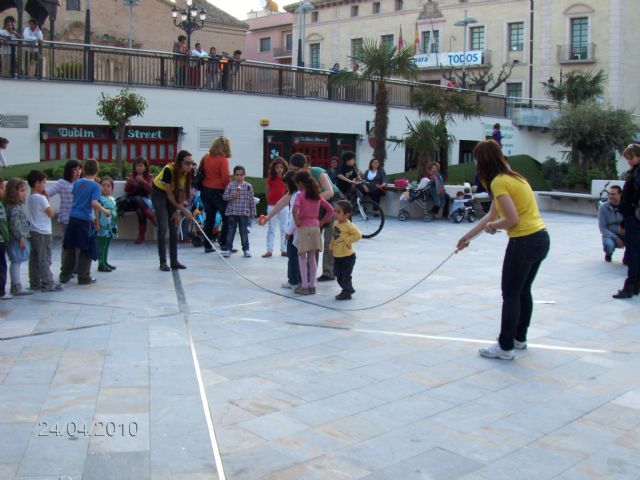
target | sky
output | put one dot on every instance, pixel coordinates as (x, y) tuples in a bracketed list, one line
[(239, 8)]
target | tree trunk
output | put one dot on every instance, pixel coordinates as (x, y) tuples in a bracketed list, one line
[(119, 143), (381, 122), (424, 158)]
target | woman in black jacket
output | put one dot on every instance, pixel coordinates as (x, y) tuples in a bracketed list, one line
[(374, 179), (630, 208)]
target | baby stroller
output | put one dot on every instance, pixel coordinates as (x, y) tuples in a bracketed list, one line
[(423, 196)]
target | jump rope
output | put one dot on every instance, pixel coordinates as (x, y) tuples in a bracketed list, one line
[(328, 307)]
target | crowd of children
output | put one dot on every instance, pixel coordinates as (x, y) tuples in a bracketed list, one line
[(88, 217)]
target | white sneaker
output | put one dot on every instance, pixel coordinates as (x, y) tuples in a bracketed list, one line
[(520, 345), (288, 285), (494, 351), (247, 254), (226, 253), (6, 296)]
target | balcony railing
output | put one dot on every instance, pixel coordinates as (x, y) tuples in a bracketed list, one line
[(72, 62), (577, 54), (282, 52)]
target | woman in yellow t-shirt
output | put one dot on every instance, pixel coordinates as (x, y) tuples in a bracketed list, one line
[(170, 193), (515, 210)]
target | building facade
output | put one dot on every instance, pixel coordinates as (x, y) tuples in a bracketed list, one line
[(567, 35), (153, 27), (270, 37)]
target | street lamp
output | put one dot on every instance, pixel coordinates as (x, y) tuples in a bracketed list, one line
[(189, 16), (463, 23), (131, 4), (301, 11)]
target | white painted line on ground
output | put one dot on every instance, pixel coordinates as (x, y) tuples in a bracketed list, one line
[(423, 336)]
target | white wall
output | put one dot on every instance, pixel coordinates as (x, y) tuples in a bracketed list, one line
[(237, 114)]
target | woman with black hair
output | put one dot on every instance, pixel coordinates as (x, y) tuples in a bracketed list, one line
[(64, 188), (514, 209), (170, 194), (630, 208)]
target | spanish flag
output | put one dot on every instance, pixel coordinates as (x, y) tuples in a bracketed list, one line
[(400, 41), (416, 40)]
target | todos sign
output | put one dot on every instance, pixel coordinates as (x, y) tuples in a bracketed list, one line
[(448, 59)]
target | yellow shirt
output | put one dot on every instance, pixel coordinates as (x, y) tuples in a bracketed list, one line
[(344, 235), (164, 178), (525, 202)]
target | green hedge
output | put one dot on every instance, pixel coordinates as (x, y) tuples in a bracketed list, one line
[(54, 169)]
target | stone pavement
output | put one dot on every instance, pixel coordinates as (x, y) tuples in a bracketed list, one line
[(100, 382)]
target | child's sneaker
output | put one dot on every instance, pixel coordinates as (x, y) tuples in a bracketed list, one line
[(288, 285), (56, 287), (343, 295), (6, 296), (494, 351), (17, 291), (301, 290), (225, 253), (247, 254)]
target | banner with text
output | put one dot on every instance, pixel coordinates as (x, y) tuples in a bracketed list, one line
[(448, 59)]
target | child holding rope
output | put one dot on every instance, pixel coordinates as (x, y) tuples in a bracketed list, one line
[(306, 211)]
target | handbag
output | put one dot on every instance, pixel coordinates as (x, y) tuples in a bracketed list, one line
[(198, 178)]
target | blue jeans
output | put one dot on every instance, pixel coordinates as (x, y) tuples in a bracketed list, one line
[(240, 222), (519, 269), (609, 245), (632, 245)]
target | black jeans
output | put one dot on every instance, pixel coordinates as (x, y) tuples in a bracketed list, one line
[(240, 222), (632, 247), (214, 203), (293, 264), (164, 211), (342, 269), (521, 263)]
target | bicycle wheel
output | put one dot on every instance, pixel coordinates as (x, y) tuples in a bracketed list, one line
[(363, 217)]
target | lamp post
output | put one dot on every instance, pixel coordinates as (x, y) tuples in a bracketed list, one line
[(463, 23), (302, 11), (130, 4), (186, 19)]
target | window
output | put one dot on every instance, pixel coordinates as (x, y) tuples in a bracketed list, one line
[(430, 44), (516, 36), (514, 90), (399, 5), (477, 38), (387, 40), (375, 8), (354, 11), (73, 5), (314, 55), (265, 44), (288, 41), (356, 45), (579, 38), (314, 17)]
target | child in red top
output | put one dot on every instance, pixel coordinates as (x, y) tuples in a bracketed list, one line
[(306, 212), (275, 190)]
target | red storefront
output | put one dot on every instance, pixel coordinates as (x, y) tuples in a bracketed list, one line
[(320, 147), (80, 142)]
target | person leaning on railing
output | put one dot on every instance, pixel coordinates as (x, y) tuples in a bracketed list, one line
[(7, 34), (33, 39)]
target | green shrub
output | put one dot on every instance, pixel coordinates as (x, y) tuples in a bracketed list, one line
[(554, 172), (575, 178)]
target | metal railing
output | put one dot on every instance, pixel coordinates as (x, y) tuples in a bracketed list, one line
[(112, 65), (577, 53), (281, 52)]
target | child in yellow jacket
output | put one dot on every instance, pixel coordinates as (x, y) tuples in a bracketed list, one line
[(345, 234)]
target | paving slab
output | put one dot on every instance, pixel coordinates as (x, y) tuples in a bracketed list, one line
[(100, 381)]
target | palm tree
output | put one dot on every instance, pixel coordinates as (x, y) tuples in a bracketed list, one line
[(422, 138), (443, 106), (578, 87), (380, 62)]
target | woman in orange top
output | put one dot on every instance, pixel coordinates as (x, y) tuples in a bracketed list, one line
[(216, 178)]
